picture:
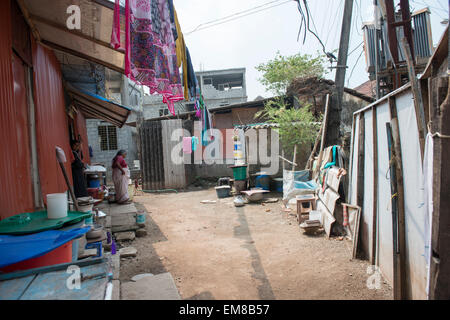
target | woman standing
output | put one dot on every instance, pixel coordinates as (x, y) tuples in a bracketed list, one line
[(79, 182), (120, 176)]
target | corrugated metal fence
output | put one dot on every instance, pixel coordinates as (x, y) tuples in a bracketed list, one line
[(159, 170)]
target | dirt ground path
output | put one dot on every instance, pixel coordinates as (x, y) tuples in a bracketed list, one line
[(218, 251)]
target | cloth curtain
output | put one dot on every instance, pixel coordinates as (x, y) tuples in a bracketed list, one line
[(428, 188)]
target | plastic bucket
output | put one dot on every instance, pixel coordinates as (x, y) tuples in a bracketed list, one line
[(62, 254), (140, 218), (57, 205), (263, 181), (240, 173), (223, 191), (94, 183)]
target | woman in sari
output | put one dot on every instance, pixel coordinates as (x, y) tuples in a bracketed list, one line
[(120, 176)]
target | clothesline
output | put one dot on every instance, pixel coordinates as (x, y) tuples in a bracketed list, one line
[(155, 50)]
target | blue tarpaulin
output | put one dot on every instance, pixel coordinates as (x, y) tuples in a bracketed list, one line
[(14, 249)]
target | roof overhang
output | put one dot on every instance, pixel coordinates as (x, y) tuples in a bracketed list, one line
[(48, 21), (96, 107)]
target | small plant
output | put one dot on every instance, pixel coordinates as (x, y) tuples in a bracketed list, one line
[(295, 126)]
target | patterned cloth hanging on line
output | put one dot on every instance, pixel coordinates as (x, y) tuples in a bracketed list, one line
[(150, 53)]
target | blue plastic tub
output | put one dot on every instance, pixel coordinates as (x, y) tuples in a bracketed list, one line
[(223, 191), (94, 183), (263, 181)]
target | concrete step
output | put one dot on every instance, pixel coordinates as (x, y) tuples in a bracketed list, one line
[(158, 287)]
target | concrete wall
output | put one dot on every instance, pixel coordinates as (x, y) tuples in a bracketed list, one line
[(126, 139), (152, 104)]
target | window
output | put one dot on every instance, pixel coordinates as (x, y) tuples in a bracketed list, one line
[(163, 112), (108, 137)]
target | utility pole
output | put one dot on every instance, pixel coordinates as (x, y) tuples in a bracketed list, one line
[(377, 46), (341, 68)]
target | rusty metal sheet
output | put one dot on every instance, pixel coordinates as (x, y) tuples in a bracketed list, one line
[(52, 125), (12, 198), (96, 107)]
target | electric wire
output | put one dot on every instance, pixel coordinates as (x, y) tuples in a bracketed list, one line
[(237, 15), (354, 66)]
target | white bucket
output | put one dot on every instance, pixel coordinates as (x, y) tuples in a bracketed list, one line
[(56, 205)]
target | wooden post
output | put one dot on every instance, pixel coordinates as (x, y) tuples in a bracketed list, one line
[(361, 154), (440, 242), (418, 101), (375, 185), (295, 158), (360, 176), (313, 152), (321, 136), (398, 201), (324, 133)]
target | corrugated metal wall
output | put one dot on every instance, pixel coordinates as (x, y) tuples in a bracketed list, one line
[(158, 169), (422, 35), (12, 197), (152, 162), (52, 128), (175, 175)]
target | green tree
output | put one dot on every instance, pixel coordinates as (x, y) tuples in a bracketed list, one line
[(279, 72), (295, 126)]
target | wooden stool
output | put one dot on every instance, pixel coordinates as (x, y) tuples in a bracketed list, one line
[(302, 210)]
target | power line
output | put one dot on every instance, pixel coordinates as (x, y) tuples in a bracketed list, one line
[(436, 9), (353, 69), (236, 16), (359, 45), (307, 20), (334, 21)]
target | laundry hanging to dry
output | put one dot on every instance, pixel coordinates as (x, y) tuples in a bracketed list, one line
[(150, 51)]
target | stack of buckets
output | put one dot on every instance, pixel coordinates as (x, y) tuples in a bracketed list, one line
[(239, 169), (66, 253), (239, 159)]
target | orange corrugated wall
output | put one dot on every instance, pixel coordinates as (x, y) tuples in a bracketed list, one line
[(52, 126), (14, 196)]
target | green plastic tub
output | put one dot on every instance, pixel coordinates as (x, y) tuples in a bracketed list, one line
[(34, 222), (239, 173)]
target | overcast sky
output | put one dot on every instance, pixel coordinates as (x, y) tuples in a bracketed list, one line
[(256, 38)]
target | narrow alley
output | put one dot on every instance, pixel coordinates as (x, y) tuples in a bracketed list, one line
[(218, 251)]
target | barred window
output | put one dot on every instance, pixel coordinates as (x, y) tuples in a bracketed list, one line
[(108, 137)]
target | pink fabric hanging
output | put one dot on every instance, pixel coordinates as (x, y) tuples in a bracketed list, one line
[(187, 145), (150, 52)]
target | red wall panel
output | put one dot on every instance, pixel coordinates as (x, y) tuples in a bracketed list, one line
[(15, 183), (23, 165), (52, 128)]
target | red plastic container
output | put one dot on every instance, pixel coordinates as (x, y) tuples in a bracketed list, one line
[(62, 254)]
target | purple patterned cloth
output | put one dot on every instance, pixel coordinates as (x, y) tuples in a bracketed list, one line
[(150, 57)]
